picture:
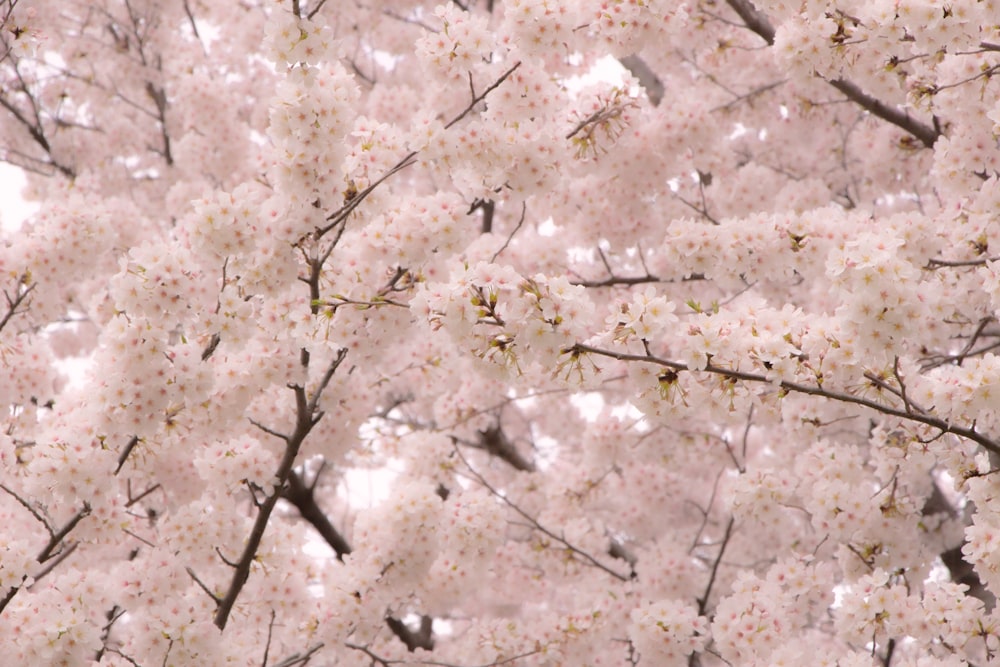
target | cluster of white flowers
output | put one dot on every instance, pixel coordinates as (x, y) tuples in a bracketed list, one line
[(625, 356), (460, 45), (515, 322), (761, 615), (237, 465), (294, 40), (667, 632), (397, 542), (472, 527)]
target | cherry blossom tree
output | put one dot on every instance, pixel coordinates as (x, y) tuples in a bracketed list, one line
[(664, 333)]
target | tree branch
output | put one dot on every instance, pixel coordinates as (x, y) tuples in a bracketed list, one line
[(646, 76), (758, 22), (13, 304), (304, 498), (299, 658), (586, 557), (754, 19), (340, 215), (306, 417), (495, 441), (703, 600), (898, 117), (423, 637), (969, 433)]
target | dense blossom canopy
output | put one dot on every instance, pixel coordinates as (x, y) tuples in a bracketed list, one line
[(501, 332)]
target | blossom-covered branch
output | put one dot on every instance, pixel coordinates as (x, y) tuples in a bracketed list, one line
[(906, 413)]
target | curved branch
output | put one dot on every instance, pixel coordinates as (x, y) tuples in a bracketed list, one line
[(496, 442), (892, 114), (423, 637), (758, 22), (754, 19), (23, 291), (969, 433)]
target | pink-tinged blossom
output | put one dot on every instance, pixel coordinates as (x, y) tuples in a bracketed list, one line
[(489, 333)]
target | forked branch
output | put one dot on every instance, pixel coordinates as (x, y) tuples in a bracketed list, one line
[(307, 415)]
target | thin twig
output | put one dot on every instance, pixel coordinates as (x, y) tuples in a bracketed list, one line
[(703, 600), (300, 658), (126, 450), (524, 208), (536, 525), (339, 216)]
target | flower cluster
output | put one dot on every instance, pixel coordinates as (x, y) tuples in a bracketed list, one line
[(612, 361), (309, 118), (462, 43), (512, 321), (472, 527), (667, 632), (237, 465), (295, 41), (762, 613), (877, 608), (397, 541)]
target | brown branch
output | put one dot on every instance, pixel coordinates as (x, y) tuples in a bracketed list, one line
[(319, 6), (304, 499), (892, 114), (754, 19), (586, 557), (15, 303), (933, 264), (969, 433), (510, 237), (11, 4), (299, 658), (48, 552), (53, 562), (37, 134), (340, 215), (748, 96), (159, 97), (423, 637), (961, 571), (758, 22), (59, 535), (479, 98), (126, 450), (703, 600), (495, 441), (202, 585), (386, 662), (488, 207), (209, 350), (622, 552), (307, 415), (614, 280), (190, 17), (646, 76)]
